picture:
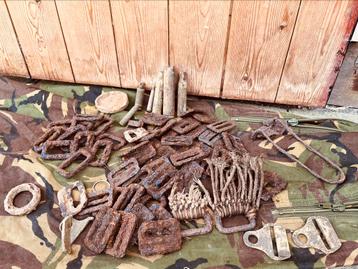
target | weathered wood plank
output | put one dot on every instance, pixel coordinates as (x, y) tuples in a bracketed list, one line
[(11, 59), (39, 33), (257, 49), (316, 52), (197, 35), (88, 32), (141, 33)]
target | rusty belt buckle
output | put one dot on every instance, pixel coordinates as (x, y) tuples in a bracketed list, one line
[(128, 197), (143, 152), (155, 119), (209, 137), (185, 125), (65, 200), (118, 142), (159, 237), (52, 145), (189, 155), (126, 171), (103, 126), (103, 159), (233, 143), (197, 131), (97, 200), (221, 126), (119, 241), (102, 229), (181, 140), (50, 135), (202, 116), (81, 152), (78, 140)]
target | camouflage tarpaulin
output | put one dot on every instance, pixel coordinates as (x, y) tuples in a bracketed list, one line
[(33, 241)]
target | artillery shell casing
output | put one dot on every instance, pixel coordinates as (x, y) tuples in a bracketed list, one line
[(158, 95), (150, 101), (139, 97), (129, 115), (169, 92), (182, 94)]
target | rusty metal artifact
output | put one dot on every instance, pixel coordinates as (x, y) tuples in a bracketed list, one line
[(271, 239), (119, 241), (125, 171), (142, 152), (26, 209), (106, 153), (278, 127), (189, 155), (155, 119), (73, 157), (55, 144), (102, 229), (127, 197), (159, 237), (318, 233), (180, 140), (185, 125), (65, 199), (135, 123), (209, 137), (221, 126), (118, 142), (97, 200)]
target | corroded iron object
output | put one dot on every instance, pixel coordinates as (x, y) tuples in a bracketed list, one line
[(319, 233), (118, 142), (53, 145), (221, 126), (106, 153), (159, 237), (180, 140), (81, 152), (97, 200), (26, 209), (185, 125), (50, 135), (271, 239), (159, 132), (202, 116), (119, 241), (196, 132), (65, 199), (159, 211), (102, 229), (209, 137), (233, 143), (189, 155), (155, 119), (127, 197), (82, 138), (125, 171), (133, 135), (142, 152), (135, 123)]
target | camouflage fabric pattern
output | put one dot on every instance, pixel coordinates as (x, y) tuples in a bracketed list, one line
[(33, 241)]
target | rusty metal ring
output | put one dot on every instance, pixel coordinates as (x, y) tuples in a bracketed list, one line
[(17, 211)]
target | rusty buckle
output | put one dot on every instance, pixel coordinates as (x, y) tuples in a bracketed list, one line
[(189, 155), (181, 140), (185, 125), (221, 126), (125, 171), (73, 157), (209, 137)]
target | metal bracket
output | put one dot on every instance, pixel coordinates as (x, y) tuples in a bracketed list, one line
[(318, 233), (265, 237)]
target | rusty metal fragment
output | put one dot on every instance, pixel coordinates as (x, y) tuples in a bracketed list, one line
[(51, 134), (233, 143), (202, 116), (155, 119), (185, 125), (318, 233), (271, 239), (26, 209), (79, 141), (125, 171), (119, 241), (133, 135), (65, 199), (221, 126), (73, 157), (197, 131), (180, 140), (143, 152), (189, 155), (159, 132), (209, 137), (159, 211), (53, 145), (118, 142), (127, 197), (102, 229), (97, 200), (159, 237), (104, 157), (135, 123)]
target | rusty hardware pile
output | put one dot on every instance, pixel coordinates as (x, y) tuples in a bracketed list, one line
[(160, 181)]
